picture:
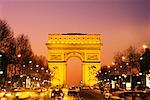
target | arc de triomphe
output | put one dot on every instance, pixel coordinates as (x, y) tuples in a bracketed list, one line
[(61, 47)]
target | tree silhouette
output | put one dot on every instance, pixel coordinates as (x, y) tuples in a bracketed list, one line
[(145, 61), (7, 42), (23, 47), (132, 56)]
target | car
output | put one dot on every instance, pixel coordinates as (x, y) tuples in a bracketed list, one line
[(18, 89), (139, 88), (57, 93), (96, 87), (65, 91), (2, 92), (73, 90), (115, 94), (34, 95), (102, 89), (107, 95), (86, 88), (10, 95), (38, 89), (22, 95), (147, 90)]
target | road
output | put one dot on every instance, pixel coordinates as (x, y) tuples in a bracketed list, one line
[(96, 95), (82, 95), (91, 95), (85, 95)]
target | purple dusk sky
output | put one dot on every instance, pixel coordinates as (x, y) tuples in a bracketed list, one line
[(121, 22)]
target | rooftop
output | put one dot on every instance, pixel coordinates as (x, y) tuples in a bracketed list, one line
[(74, 34)]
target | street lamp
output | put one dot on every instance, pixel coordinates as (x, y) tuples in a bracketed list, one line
[(42, 68), (24, 65), (144, 46), (19, 63), (37, 66), (124, 59), (120, 66), (19, 55), (113, 63), (108, 66), (30, 62)]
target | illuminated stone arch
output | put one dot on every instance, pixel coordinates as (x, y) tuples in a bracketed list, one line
[(84, 46), (74, 54)]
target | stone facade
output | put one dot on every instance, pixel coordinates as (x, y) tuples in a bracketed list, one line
[(61, 47)]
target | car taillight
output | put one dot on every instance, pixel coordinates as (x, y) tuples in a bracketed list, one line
[(4, 90), (61, 94), (122, 95), (112, 93)]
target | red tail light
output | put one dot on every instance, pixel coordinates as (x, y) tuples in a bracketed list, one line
[(112, 93), (122, 94)]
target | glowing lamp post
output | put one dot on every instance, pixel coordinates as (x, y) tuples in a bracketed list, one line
[(113, 63), (131, 72), (30, 62), (123, 57), (19, 55), (42, 68), (46, 71), (144, 46), (108, 66)]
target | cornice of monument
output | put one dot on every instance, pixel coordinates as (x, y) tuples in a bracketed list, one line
[(74, 33)]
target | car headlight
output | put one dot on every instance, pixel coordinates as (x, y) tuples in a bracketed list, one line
[(61, 94), (17, 95), (52, 94), (8, 94)]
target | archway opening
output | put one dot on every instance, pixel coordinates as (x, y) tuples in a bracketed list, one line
[(74, 71)]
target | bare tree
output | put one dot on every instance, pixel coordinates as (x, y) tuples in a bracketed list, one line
[(42, 67), (118, 58), (23, 47), (131, 58), (6, 36), (7, 43)]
